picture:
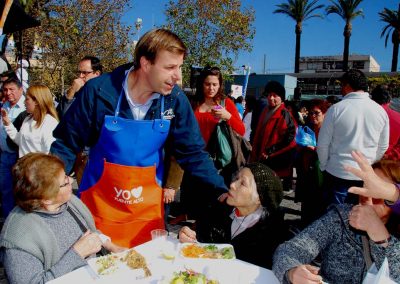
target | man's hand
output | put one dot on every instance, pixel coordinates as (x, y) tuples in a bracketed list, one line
[(77, 84), (223, 197), (168, 195)]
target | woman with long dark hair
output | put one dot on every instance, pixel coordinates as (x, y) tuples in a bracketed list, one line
[(210, 106)]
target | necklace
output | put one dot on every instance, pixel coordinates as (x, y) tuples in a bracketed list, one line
[(235, 233)]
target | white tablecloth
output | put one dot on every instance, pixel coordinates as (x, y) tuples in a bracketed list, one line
[(226, 271)]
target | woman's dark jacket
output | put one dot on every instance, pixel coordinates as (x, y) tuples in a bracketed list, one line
[(256, 244)]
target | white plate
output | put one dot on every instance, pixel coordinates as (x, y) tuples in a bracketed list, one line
[(219, 247), (119, 270), (212, 272)]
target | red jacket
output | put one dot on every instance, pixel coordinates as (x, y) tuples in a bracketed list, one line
[(393, 152), (275, 137), (207, 121)]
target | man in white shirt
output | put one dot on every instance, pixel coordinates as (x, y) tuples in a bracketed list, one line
[(355, 123), (13, 90)]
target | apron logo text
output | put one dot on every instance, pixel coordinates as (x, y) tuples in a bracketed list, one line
[(132, 196)]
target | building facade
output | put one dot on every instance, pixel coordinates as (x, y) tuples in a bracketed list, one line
[(327, 64)]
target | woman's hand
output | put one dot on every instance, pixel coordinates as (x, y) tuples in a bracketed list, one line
[(364, 218), (187, 235), (6, 119), (168, 195), (374, 186), (304, 274), (88, 244), (221, 113), (114, 248)]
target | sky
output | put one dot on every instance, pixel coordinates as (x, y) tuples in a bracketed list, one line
[(275, 36)]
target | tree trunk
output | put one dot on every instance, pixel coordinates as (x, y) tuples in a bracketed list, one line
[(395, 41), (297, 54), (62, 80), (395, 55), (346, 34)]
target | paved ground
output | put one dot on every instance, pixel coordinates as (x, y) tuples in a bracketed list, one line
[(292, 215)]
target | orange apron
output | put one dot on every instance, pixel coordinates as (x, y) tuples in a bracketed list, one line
[(121, 181)]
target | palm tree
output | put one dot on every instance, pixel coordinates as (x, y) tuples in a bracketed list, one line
[(299, 10), (392, 18), (347, 9)]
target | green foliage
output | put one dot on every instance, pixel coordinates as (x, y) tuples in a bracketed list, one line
[(392, 20), (213, 30), (71, 29), (391, 82), (299, 10), (346, 9)]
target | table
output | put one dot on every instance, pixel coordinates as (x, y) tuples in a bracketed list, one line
[(233, 271)]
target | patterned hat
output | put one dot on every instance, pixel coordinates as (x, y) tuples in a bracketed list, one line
[(269, 185)]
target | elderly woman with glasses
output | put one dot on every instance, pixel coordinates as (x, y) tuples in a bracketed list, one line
[(50, 232), (309, 176)]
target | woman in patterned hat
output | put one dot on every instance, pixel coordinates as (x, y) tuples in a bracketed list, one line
[(250, 220)]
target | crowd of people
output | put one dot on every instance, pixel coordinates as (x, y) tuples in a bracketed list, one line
[(133, 138)]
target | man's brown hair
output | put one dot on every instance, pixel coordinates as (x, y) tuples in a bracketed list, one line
[(154, 41)]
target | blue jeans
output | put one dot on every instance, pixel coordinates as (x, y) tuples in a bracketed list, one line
[(335, 190), (7, 161)]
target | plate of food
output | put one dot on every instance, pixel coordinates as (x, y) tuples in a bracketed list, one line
[(128, 262), (188, 276), (207, 251)]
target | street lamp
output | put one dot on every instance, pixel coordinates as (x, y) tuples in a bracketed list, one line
[(138, 26), (246, 72)]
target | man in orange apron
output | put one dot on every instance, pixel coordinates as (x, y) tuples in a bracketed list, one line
[(125, 117)]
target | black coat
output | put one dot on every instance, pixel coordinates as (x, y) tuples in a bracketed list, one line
[(255, 245)]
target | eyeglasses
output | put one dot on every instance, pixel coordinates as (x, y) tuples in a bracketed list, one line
[(316, 113), (67, 182), (85, 73)]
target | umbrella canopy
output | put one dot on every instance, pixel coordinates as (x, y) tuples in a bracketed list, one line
[(17, 19)]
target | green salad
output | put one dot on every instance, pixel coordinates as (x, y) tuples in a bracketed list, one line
[(191, 277)]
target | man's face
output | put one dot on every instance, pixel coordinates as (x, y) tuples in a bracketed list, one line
[(86, 72), (164, 73), (12, 92)]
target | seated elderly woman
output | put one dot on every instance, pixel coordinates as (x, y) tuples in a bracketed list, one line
[(254, 226), (50, 232), (343, 237)]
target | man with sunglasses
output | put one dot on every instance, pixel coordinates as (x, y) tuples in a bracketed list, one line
[(89, 67)]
